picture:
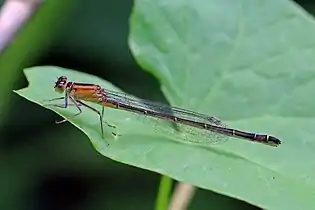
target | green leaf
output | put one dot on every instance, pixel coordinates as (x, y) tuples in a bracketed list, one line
[(213, 168), (250, 63)]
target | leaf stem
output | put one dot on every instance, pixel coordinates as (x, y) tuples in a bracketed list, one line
[(165, 188)]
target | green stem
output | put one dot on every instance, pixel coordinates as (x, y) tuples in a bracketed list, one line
[(165, 188)]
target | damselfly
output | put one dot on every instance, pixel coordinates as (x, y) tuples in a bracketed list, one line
[(195, 124)]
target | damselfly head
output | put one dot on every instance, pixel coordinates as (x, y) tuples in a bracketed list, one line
[(61, 84)]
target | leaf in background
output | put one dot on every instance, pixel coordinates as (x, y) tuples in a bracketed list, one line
[(29, 43), (250, 63)]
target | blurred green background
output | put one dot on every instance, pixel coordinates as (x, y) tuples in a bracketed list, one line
[(49, 166)]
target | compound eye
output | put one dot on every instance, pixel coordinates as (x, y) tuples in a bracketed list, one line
[(62, 78), (61, 84)]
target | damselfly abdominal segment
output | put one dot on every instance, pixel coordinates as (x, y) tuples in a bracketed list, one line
[(195, 125)]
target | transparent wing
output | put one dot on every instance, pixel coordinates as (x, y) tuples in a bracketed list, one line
[(184, 132)]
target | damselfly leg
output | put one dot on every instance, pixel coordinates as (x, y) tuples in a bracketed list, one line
[(77, 104)]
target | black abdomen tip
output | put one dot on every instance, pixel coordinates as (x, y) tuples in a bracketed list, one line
[(273, 140)]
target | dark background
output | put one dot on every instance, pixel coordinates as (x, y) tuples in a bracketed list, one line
[(49, 166)]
